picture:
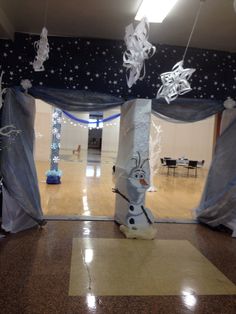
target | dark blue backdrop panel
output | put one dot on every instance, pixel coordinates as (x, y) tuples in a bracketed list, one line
[(96, 65)]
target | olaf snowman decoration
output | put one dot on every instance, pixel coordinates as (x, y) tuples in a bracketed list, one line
[(138, 217)]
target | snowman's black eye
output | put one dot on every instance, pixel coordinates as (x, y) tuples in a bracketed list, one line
[(131, 207), (141, 176), (136, 176)]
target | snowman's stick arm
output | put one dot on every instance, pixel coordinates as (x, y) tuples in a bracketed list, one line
[(122, 195)]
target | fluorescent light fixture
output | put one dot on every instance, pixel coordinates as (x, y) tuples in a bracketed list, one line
[(155, 10)]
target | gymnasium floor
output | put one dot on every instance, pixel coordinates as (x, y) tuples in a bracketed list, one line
[(87, 184)]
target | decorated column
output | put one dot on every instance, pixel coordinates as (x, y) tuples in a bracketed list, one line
[(132, 173), (54, 174)]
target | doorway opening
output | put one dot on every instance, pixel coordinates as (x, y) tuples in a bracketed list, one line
[(95, 137)]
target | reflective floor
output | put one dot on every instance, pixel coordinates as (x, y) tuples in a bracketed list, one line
[(189, 268), (87, 183), (116, 267)]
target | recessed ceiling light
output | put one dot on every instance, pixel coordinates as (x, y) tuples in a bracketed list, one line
[(155, 10)]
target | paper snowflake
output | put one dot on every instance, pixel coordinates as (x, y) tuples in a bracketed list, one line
[(42, 47), (138, 50), (175, 82)]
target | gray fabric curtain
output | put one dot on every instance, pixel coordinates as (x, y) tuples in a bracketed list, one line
[(218, 203), (21, 199)]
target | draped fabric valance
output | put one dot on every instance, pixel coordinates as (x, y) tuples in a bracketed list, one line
[(186, 109), (76, 100), (180, 110)]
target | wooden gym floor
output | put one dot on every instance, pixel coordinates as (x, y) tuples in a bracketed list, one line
[(87, 184)]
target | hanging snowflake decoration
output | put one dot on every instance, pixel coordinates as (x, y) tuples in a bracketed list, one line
[(2, 91), (56, 159), (175, 83), (138, 50), (42, 48)]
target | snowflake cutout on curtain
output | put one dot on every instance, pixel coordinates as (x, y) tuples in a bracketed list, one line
[(175, 82)]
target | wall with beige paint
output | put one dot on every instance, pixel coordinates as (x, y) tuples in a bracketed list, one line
[(192, 140), (110, 133), (42, 128), (72, 134)]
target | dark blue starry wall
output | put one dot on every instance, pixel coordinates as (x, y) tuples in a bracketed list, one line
[(96, 65)]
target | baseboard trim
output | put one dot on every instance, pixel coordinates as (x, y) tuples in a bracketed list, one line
[(109, 218)]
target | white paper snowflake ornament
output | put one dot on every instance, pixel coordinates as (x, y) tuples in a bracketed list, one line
[(175, 82), (138, 50), (42, 47)]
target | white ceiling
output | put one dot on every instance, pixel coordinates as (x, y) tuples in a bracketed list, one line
[(216, 28)]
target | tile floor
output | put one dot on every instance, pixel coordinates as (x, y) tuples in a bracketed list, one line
[(35, 270)]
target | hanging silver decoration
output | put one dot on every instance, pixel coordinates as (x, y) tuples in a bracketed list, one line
[(42, 48), (138, 50), (175, 82)]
